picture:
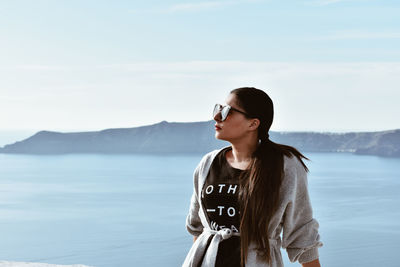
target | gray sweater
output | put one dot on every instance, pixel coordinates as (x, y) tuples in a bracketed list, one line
[(300, 235)]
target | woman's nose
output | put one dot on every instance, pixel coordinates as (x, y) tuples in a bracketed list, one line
[(217, 116)]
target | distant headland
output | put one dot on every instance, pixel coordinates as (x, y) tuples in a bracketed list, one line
[(197, 137)]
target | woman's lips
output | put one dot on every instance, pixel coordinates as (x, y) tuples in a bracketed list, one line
[(217, 128)]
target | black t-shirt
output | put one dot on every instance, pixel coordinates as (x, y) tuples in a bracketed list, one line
[(220, 199)]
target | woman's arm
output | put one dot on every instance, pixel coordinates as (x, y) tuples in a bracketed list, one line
[(193, 221), (300, 235), (314, 263)]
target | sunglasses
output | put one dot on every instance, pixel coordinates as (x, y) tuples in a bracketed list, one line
[(224, 110)]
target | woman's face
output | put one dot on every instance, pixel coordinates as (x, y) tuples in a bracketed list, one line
[(235, 126)]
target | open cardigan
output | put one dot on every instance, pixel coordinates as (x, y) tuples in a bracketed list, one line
[(300, 235)]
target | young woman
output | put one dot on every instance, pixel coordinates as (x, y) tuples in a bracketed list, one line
[(246, 194)]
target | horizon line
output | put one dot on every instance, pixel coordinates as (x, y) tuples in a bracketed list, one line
[(71, 130)]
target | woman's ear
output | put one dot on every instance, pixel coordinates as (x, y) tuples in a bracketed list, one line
[(254, 124)]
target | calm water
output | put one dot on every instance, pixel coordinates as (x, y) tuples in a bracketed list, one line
[(130, 210)]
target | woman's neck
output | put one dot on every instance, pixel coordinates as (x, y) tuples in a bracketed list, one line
[(241, 153)]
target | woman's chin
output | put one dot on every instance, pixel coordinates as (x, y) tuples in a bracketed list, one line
[(220, 136)]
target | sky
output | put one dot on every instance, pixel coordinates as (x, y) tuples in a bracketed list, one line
[(82, 65)]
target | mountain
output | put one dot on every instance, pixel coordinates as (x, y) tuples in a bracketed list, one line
[(197, 137)]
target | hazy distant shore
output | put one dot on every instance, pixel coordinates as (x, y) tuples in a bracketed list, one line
[(197, 137)]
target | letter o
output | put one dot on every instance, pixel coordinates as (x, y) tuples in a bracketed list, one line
[(212, 188), (234, 211)]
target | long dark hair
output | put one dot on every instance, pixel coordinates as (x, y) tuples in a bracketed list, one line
[(260, 183)]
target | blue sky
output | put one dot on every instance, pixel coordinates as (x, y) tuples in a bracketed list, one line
[(329, 65), (98, 32)]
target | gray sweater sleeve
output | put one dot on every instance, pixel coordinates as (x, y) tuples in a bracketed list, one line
[(193, 222), (300, 235)]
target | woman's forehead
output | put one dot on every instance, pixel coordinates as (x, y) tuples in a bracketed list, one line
[(231, 100)]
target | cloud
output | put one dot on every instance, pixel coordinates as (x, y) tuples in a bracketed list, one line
[(360, 34), (195, 6), (206, 5), (328, 2), (34, 67)]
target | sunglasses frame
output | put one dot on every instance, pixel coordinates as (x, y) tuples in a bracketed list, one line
[(224, 110)]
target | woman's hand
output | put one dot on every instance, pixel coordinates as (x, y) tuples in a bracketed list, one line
[(314, 263)]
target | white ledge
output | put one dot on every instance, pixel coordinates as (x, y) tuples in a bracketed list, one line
[(35, 264)]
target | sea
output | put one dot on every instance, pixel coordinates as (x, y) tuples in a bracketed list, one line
[(130, 210)]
